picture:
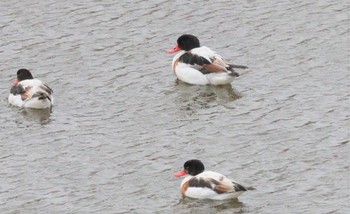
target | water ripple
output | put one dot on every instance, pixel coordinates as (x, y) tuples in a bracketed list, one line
[(122, 124)]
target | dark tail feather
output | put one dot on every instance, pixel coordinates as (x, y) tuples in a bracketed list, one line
[(231, 68), (239, 187), (250, 188), (237, 66), (233, 73)]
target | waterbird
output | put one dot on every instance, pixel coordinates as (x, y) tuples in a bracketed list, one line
[(202, 184), (199, 65), (28, 92)]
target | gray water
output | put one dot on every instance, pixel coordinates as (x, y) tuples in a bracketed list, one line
[(122, 124)]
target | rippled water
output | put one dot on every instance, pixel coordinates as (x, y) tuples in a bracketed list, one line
[(122, 124)]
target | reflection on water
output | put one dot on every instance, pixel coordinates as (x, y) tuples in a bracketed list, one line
[(41, 116), (191, 98), (226, 94), (234, 204), (198, 206), (121, 111)]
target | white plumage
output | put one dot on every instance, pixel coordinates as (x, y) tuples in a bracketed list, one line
[(207, 184), (30, 93), (209, 193), (200, 65)]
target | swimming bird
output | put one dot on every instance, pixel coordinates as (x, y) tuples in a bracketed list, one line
[(199, 65), (28, 92), (207, 184)]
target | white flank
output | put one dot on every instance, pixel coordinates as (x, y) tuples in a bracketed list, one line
[(31, 102)]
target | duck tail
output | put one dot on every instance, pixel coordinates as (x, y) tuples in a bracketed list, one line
[(250, 188), (238, 187), (231, 66), (233, 72)]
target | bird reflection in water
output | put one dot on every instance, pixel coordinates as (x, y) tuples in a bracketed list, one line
[(41, 116), (193, 97), (234, 205)]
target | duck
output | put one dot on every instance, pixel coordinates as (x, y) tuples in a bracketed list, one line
[(200, 184), (28, 92), (199, 65)]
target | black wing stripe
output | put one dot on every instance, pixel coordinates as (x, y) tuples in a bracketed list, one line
[(193, 59), (194, 182), (17, 89)]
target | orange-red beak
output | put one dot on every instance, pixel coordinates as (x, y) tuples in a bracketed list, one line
[(175, 49), (180, 174)]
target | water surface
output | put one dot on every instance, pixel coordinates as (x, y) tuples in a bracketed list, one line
[(122, 124)]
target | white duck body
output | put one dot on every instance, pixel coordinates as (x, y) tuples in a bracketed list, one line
[(190, 73), (203, 186), (31, 93)]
